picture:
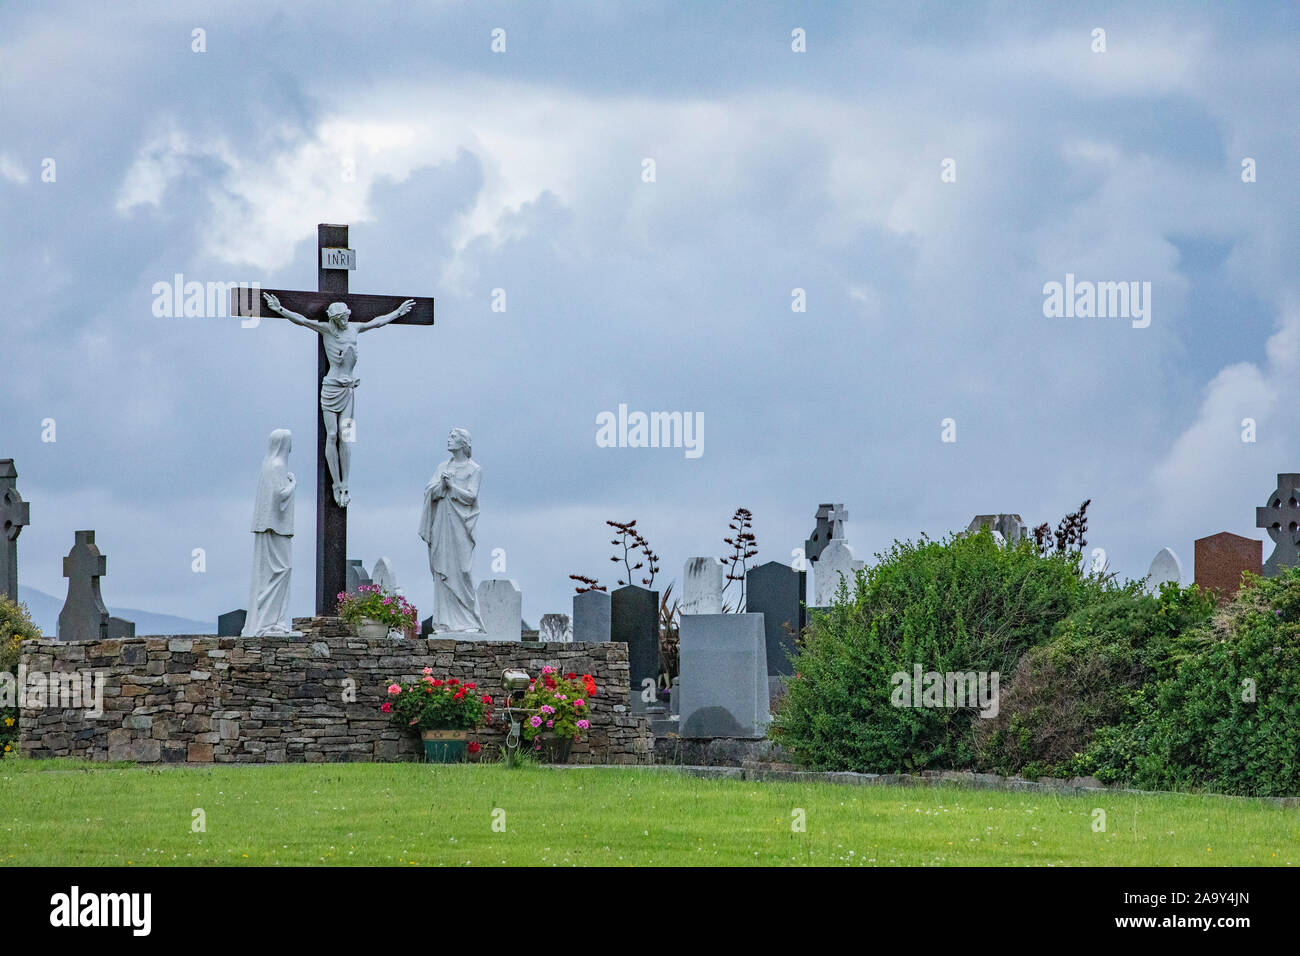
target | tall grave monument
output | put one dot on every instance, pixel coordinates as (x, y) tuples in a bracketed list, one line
[(15, 514)]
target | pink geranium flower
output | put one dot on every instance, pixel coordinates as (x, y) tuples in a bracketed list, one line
[(394, 688), (427, 670), (386, 707), (579, 703), (550, 723), (584, 724), (535, 720)]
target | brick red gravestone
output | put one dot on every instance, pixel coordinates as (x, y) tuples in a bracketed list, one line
[(1220, 559)]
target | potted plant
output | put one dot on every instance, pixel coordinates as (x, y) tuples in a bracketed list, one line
[(559, 713), (443, 711), (374, 613)]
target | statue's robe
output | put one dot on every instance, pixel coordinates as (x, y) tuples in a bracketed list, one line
[(447, 527)]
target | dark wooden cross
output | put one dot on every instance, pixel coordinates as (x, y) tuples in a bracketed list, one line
[(15, 514), (332, 286), (1281, 519)]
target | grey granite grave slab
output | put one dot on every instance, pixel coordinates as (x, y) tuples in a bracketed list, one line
[(724, 676), (591, 616)]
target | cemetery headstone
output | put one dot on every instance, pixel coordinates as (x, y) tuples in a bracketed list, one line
[(1281, 519), (591, 616), (837, 562), (634, 620), (15, 514), (84, 616), (500, 606), (383, 576), (231, 624), (1165, 567), (702, 586), (1010, 526), (119, 629), (777, 592), (829, 524), (1219, 559), (724, 681), (555, 628), (357, 575)]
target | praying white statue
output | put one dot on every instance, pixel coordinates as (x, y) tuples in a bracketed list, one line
[(268, 597), (447, 527), (338, 387)]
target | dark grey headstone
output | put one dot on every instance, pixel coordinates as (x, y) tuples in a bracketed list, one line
[(1281, 519), (119, 628), (591, 616), (357, 575), (426, 628), (777, 592), (15, 514), (231, 624), (84, 616), (634, 620), (724, 682)]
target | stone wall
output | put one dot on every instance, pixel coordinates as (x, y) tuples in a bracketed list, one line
[(271, 700)]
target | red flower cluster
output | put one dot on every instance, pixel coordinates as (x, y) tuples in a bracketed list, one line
[(590, 683)]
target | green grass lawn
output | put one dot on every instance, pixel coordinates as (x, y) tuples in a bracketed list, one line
[(62, 813)]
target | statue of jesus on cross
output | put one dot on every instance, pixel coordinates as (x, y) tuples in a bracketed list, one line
[(338, 388)]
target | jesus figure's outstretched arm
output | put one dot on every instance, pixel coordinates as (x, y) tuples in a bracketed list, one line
[(383, 320), (274, 305)]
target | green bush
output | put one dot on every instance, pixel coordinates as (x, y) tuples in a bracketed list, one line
[(1226, 716), (15, 627), (1085, 678), (964, 604)]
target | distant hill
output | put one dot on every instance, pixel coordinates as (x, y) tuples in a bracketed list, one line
[(45, 610)]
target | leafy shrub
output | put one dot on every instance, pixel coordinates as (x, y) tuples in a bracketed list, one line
[(1226, 716), (1085, 678), (964, 604), (15, 627)]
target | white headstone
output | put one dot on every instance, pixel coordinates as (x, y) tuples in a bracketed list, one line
[(837, 560), (501, 607), (702, 586), (383, 576), (1165, 566)]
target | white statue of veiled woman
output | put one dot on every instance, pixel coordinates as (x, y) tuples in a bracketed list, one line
[(268, 598), (447, 527)]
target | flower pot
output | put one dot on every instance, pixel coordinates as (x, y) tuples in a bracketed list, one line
[(444, 746), (554, 749), (370, 630)]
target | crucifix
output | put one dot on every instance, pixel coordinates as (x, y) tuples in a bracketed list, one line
[(331, 313), (15, 514)]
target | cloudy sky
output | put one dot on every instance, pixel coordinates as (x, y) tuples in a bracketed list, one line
[(462, 170)]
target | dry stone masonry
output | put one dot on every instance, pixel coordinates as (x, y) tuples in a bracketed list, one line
[(311, 699)]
